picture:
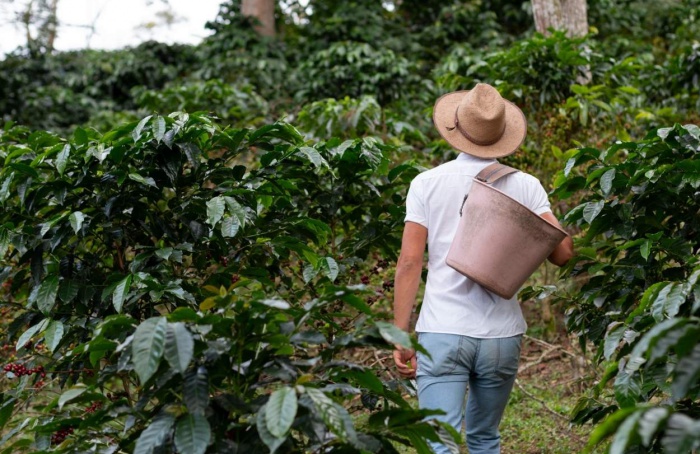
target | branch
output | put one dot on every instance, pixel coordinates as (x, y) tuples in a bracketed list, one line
[(541, 402)]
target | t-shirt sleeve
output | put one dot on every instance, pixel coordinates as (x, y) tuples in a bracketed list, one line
[(539, 203), (415, 204)]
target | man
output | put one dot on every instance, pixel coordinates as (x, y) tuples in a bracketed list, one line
[(473, 336)]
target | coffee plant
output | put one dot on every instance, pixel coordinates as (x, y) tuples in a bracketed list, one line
[(639, 304), (179, 286)]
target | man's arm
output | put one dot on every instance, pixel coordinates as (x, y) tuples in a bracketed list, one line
[(406, 283), (564, 250)]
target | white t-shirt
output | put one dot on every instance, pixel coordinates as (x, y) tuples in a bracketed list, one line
[(453, 303)]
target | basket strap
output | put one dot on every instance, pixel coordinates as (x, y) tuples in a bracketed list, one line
[(494, 172), (489, 175)]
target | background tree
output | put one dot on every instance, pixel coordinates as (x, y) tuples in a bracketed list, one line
[(263, 12), (570, 16)]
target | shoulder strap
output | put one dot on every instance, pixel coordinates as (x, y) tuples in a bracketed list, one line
[(495, 171), (489, 175)]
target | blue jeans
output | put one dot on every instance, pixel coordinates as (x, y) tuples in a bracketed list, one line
[(487, 367)]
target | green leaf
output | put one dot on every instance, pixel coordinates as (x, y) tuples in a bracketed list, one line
[(624, 434), (5, 188), (650, 422), (569, 165), (275, 303), (649, 339), (650, 295), (143, 180), (681, 435), (336, 417), (25, 169), (608, 427), (312, 155), (281, 409), (612, 339), (668, 301), (155, 434), (68, 290), (606, 181), (192, 434), (76, 221), (46, 297), (120, 293), (394, 335), (6, 410), (4, 241), (272, 442), (629, 90), (80, 136), (687, 374), (309, 273), (230, 226), (29, 333), (592, 210), (583, 114), (148, 346), (215, 210), (62, 159), (628, 388), (158, 128), (645, 249), (71, 394), (53, 334), (278, 130), (136, 133), (196, 391), (236, 209), (330, 268), (193, 154), (179, 347)]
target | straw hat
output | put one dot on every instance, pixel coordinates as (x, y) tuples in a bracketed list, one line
[(480, 122)]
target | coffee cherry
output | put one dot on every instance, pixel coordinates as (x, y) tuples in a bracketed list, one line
[(93, 407), (21, 370), (58, 437), (365, 279)]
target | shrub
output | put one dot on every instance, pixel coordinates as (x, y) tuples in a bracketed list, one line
[(640, 303), (188, 287)]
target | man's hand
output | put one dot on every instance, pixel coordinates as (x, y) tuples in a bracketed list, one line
[(405, 360)]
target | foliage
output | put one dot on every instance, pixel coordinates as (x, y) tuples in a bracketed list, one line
[(183, 291), (229, 258), (535, 71), (238, 105), (236, 53), (362, 21), (640, 301), (60, 91), (355, 69), (463, 22)]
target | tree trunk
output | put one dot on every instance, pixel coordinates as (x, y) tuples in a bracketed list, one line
[(570, 16), (264, 12), (52, 26)]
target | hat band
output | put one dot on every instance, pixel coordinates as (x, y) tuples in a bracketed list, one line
[(472, 138)]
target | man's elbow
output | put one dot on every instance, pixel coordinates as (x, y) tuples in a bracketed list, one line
[(563, 252), (407, 263)]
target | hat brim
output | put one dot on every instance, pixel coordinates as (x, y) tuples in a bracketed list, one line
[(513, 135)]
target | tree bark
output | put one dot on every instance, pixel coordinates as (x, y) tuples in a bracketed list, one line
[(52, 26), (264, 12), (570, 16)]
